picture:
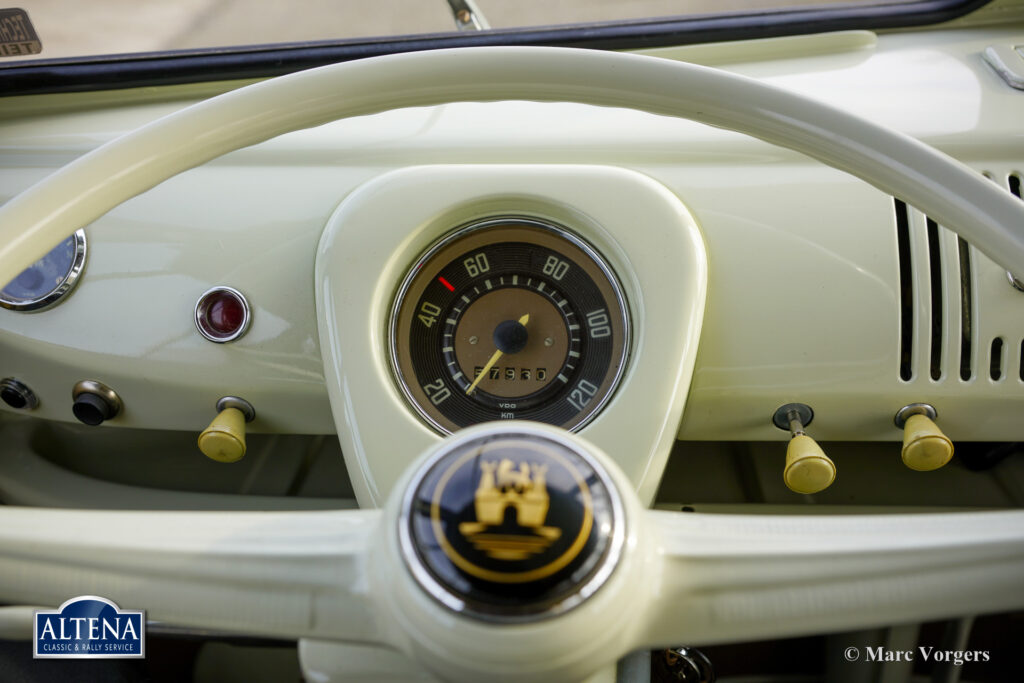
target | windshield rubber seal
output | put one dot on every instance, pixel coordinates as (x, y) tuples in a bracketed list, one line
[(112, 72)]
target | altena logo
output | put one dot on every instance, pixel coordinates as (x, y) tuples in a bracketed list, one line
[(89, 627)]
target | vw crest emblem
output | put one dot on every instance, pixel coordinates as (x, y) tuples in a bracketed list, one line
[(512, 525)]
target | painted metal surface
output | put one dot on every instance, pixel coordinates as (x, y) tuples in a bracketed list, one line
[(408, 210), (253, 219), (894, 162), (802, 304)]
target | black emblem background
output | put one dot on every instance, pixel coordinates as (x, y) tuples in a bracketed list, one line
[(566, 512)]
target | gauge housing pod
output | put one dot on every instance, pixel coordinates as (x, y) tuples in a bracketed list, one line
[(382, 230)]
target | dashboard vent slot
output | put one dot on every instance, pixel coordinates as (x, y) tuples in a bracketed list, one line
[(935, 287), (906, 291), (996, 359), (966, 324), (1022, 361), (1013, 180)]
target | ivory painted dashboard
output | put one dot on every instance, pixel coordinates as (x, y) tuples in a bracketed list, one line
[(753, 276)]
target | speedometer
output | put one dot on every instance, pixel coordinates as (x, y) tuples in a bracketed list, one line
[(47, 281), (509, 318)]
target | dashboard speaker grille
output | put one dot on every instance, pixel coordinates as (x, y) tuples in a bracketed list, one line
[(944, 336)]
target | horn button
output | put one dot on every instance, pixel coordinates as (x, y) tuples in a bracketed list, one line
[(512, 525)]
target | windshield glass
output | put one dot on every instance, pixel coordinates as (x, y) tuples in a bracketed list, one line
[(73, 28)]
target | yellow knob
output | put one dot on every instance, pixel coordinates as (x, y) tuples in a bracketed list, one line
[(925, 447), (808, 469), (224, 439)]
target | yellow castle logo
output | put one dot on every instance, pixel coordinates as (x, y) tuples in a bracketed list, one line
[(502, 486)]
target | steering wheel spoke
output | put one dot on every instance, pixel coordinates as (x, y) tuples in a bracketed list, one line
[(732, 578), (293, 574)]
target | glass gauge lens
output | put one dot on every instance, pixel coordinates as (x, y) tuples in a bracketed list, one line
[(49, 279), (509, 319)]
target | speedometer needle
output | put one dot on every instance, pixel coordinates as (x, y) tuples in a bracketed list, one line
[(494, 359)]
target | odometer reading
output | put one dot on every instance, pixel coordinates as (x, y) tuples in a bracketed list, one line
[(509, 319)]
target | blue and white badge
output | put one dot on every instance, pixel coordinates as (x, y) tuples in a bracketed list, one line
[(89, 627)]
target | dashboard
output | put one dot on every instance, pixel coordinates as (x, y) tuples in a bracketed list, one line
[(686, 298), (887, 286)]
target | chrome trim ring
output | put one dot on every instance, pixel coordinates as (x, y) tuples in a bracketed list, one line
[(201, 305), (239, 404), (91, 386), (1014, 282), (62, 289), (495, 221), (598, 575), (907, 411), (14, 390)]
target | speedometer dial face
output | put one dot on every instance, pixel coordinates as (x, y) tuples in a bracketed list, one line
[(509, 319)]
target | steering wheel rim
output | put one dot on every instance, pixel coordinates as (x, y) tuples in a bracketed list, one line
[(949, 192)]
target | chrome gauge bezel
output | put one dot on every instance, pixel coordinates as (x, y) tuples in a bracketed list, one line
[(492, 222), (63, 288)]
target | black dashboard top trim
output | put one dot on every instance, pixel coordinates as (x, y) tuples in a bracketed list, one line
[(111, 72)]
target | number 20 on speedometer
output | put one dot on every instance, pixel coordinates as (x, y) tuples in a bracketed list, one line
[(509, 318)]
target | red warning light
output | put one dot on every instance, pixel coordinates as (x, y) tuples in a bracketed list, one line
[(222, 314)]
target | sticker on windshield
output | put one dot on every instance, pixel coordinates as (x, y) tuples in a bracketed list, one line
[(17, 35)]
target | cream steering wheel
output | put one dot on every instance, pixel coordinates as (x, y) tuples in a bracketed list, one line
[(338, 576)]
